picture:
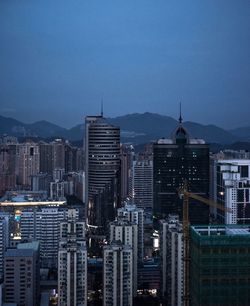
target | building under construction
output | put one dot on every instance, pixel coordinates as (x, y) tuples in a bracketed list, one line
[(220, 265)]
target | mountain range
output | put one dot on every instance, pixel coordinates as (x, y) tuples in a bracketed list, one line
[(135, 128)]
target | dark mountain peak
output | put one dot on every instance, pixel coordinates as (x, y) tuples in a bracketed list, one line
[(242, 132), (41, 122), (143, 115), (45, 124), (9, 121)]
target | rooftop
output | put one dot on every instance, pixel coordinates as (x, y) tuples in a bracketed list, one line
[(34, 245), (236, 161), (38, 203), (171, 141), (19, 253), (129, 206), (221, 230), (21, 198), (24, 196)]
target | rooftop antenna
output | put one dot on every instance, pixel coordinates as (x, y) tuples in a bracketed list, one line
[(102, 108), (180, 118)]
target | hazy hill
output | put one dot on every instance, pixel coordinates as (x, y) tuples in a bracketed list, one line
[(43, 129), (242, 133), (147, 124), (135, 128), (77, 132), (46, 129), (211, 133), (11, 126)]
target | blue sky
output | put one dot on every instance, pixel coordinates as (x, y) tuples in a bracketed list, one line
[(59, 59)]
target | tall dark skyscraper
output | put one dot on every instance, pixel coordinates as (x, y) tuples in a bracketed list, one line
[(46, 161), (178, 160), (102, 166)]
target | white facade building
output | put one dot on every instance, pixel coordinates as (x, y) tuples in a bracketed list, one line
[(127, 233), (142, 183), (231, 188), (172, 265), (4, 239), (58, 189), (44, 225), (132, 213), (72, 262), (117, 275)]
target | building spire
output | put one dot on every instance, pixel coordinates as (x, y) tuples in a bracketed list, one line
[(102, 107), (180, 118)]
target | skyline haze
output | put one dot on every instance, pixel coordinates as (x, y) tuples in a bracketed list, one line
[(59, 60)]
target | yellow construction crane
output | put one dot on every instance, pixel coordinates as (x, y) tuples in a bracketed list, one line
[(185, 195)]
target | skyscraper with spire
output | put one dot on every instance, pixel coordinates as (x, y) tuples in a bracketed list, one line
[(178, 160)]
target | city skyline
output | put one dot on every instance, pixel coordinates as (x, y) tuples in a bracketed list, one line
[(124, 153), (133, 252), (59, 60)]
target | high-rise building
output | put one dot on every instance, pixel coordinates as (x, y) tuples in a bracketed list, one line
[(28, 162), (7, 167), (142, 183), (28, 229), (172, 264), (220, 265), (43, 224), (117, 275), (4, 238), (58, 154), (88, 121), (58, 174), (127, 154), (127, 233), (7, 182), (8, 158), (1, 294), (46, 161), (58, 189), (21, 275), (72, 262), (230, 187), (132, 213), (79, 159), (102, 152), (41, 181), (70, 157), (78, 180), (176, 161)]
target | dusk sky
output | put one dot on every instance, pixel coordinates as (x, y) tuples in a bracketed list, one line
[(59, 59)]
